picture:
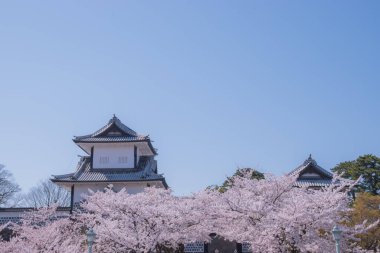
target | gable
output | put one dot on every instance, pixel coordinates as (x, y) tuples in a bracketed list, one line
[(313, 172), (113, 131), (310, 174)]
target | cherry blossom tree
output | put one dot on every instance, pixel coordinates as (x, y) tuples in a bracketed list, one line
[(144, 222), (271, 214), (44, 230), (150, 221), (274, 216)]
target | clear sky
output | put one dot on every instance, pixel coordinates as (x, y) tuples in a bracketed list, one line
[(217, 84)]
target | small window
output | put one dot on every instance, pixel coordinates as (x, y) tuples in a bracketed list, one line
[(104, 159), (114, 133), (123, 159)]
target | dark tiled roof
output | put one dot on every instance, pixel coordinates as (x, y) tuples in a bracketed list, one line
[(311, 182), (115, 131), (124, 133), (145, 171), (114, 139), (307, 163)]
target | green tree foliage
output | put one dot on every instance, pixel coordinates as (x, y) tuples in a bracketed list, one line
[(366, 208), (241, 172), (366, 166)]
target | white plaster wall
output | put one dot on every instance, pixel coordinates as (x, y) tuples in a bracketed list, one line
[(132, 187), (113, 152), (16, 214), (11, 214)]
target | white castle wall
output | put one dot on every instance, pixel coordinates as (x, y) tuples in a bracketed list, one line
[(113, 156), (132, 187), (14, 214)]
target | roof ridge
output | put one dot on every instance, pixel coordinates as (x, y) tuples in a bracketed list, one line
[(306, 163), (113, 121)]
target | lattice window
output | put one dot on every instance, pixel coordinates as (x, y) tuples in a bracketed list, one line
[(104, 159), (195, 247), (123, 159)]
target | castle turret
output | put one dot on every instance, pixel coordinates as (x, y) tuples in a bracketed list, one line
[(117, 155)]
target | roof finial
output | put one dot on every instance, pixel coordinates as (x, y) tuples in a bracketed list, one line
[(114, 119), (310, 160)]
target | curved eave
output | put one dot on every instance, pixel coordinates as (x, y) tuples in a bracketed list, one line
[(151, 147), (162, 180), (114, 121), (301, 168), (116, 141), (64, 175), (100, 141)]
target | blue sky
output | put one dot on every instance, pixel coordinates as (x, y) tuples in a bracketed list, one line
[(217, 84)]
